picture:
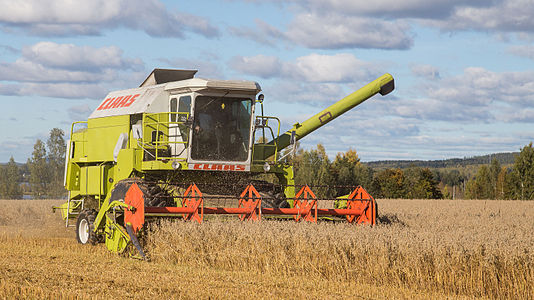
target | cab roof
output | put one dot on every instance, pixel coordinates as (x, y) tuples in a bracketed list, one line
[(153, 93)]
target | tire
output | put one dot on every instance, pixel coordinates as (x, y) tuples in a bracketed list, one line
[(85, 228), (272, 195)]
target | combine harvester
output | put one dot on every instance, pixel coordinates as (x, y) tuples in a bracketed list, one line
[(182, 146)]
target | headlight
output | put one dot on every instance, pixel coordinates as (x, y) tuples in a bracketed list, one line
[(176, 165), (266, 167)]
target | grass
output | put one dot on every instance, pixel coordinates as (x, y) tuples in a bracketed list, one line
[(422, 249)]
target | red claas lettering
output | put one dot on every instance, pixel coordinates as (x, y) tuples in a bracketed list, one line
[(116, 102), (132, 99), (105, 103), (124, 100)]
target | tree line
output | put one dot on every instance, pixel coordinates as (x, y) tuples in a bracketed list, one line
[(42, 176), (333, 178), (494, 181), (491, 181)]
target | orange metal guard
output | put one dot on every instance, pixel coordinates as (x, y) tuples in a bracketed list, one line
[(361, 207)]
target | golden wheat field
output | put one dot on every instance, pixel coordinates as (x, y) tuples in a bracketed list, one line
[(422, 249)]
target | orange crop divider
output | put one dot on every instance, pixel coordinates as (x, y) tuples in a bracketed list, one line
[(136, 215), (252, 203), (361, 200), (193, 199), (305, 205)]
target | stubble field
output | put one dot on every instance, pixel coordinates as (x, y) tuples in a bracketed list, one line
[(421, 249)]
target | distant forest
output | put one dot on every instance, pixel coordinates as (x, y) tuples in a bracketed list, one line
[(493, 176), (504, 159)]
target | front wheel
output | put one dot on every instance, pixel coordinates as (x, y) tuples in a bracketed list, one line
[(85, 227)]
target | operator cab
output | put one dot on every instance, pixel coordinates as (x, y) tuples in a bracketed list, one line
[(211, 122), (221, 129)]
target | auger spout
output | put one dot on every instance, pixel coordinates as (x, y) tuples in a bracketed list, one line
[(383, 85)]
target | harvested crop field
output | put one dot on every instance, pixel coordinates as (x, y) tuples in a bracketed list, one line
[(422, 249)]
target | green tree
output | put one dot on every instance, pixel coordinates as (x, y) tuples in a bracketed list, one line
[(524, 169), (347, 171), (343, 168), (12, 181), (313, 168), (390, 183), (421, 184), (502, 190), (3, 182), (39, 172), (511, 186), (56, 161), (494, 171), (480, 187)]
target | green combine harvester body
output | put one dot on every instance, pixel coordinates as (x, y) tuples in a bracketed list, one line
[(175, 130)]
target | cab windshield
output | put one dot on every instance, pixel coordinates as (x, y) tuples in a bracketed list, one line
[(221, 128)]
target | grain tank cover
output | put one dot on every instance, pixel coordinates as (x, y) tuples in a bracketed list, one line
[(139, 100), (152, 95), (127, 102), (159, 76)]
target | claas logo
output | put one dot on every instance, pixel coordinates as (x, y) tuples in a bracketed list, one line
[(121, 101), (218, 167)]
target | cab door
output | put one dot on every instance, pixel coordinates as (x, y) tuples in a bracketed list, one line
[(180, 110)]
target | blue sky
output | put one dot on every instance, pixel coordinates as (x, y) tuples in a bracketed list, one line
[(463, 69)]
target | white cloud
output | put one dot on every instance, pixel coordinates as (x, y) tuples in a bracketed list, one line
[(265, 33), (426, 71), (56, 90), (259, 65), (66, 71), (69, 56), (478, 86), (79, 112), (341, 67), (305, 92), (526, 51), (392, 8), (387, 24), (473, 97), (340, 32), (498, 15), (63, 17), (502, 16)]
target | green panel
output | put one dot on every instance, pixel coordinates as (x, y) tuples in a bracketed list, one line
[(73, 176), (79, 144), (158, 165), (102, 136), (116, 239), (91, 179), (126, 163)]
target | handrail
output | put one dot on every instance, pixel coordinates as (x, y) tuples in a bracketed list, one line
[(161, 124), (264, 123), (73, 124)]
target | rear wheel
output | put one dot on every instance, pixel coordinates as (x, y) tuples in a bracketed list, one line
[(153, 194), (85, 227)]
